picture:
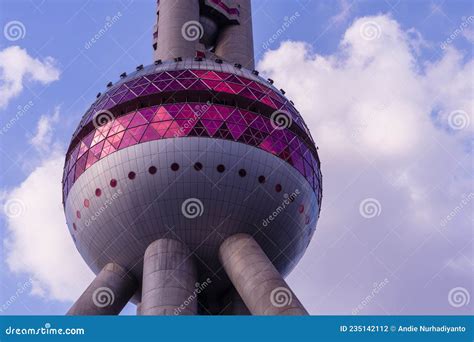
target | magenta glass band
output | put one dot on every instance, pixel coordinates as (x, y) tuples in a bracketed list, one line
[(190, 119)]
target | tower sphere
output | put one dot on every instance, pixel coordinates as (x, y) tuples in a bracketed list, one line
[(195, 151)]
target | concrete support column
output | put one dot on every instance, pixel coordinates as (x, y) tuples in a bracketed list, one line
[(108, 293), (235, 42), (257, 281), (139, 309), (178, 29), (169, 278), (232, 304)]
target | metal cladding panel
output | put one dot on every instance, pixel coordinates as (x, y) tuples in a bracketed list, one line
[(113, 214)]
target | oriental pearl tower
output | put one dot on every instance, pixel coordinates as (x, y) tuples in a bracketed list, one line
[(192, 186)]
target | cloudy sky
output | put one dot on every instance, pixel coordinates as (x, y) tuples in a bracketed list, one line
[(386, 88)]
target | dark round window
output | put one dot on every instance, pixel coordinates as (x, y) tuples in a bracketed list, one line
[(152, 170), (131, 175), (261, 179), (198, 166), (86, 203), (113, 183), (78, 214), (220, 168), (242, 173), (175, 166), (98, 192), (74, 226), (278, 188)]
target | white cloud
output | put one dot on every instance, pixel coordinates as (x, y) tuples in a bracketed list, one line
[(17, 66), (43, 138), (38, 241), (380, 118), (344, 13)]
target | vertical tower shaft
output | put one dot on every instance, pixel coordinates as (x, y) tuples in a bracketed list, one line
[(169, 278), (235, 42), (173, 17), (187, 28)]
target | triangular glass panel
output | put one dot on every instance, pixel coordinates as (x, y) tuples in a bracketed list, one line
[(137, 132), (211, 126), (150, 134), (236, 130), (162, 115), (137, 120)]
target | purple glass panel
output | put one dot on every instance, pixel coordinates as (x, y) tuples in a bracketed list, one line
[(218, 121), (150, 134), (211, 126), (137, 120), (236, 130)]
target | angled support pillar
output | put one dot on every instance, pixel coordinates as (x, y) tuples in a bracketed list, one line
[(108, 293), (258, 282)]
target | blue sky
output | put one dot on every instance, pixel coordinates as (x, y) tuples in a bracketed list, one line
[(60, 30)]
